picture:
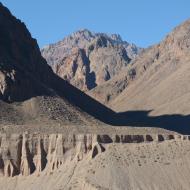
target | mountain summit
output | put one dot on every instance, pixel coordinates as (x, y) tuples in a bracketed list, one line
[(87, 59)]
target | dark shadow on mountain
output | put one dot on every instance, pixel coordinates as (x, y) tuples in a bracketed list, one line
[(26, 74), (178, 123), (76, 97)]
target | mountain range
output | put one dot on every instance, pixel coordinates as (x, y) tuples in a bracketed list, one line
[(93, 111)]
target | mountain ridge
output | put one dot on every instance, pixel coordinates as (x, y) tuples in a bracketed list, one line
[(161, 78), (104, 56)]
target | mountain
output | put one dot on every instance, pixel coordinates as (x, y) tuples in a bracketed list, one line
[(54, 136), (160, 80), (86, 59), (31, 94)]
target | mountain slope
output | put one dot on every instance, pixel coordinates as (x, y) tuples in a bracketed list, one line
[(162, 77), (30, 92), (52, 135), (86, 59)]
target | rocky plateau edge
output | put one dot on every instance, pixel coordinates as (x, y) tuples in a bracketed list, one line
[(26, 154)]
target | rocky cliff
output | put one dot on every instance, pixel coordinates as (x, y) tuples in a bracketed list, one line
[(86, 59), (25, 154)]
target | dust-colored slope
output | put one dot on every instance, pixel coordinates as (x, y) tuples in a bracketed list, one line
[(43, 113), (162, 79), (158, 76), (166, 91)]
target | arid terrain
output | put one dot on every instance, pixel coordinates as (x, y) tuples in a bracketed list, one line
[(95, 162), (68, 123)]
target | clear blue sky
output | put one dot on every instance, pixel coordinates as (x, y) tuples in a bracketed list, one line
[(143, 22)]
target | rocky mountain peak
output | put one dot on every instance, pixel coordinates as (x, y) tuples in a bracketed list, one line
[(83, 33), (78, 39), (101, 41), (105, 54), (116, 37)]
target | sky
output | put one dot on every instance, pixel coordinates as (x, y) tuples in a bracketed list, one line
[(142, 22)]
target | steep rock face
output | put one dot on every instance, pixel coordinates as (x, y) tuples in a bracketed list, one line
[(24, 74), (76, 66), (106, 59), (21, 64), (105, 56), (25, 154)]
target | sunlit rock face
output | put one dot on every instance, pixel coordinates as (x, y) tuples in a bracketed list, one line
[(86, 59)]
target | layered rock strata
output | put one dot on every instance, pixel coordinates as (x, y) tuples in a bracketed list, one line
[(26, 154)]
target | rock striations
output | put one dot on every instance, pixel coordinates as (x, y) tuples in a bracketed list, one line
[(25, 154), (86, 59)]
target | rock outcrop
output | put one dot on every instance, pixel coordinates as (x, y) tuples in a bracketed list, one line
[(25, 154), (86, 59)]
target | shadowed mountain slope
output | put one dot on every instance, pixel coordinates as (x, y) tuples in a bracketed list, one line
[(26, 78), (31, 94)]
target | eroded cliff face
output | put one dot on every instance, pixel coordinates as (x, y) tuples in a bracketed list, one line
[(26, 154)]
